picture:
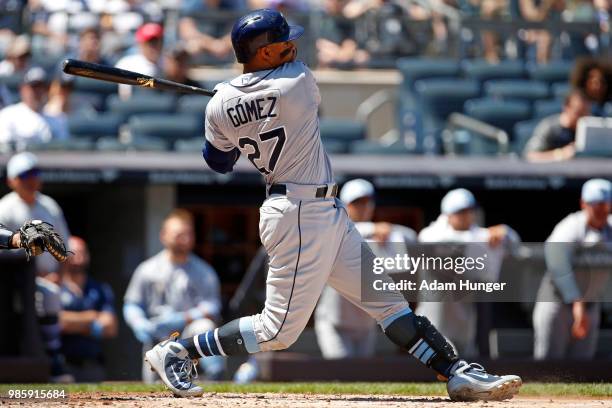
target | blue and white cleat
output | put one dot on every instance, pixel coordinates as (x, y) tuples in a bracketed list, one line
[(172, 363), (470, 382)]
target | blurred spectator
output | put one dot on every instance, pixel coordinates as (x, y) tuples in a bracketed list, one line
[(344, 330), (49, 21), (284, 6), (567, 314), (89, 48), (176, 66), (26, 202), (457, 223), (594, 78), (17, 58), (553, 138), (539, 11), (24, 123), (148, 58), (11, 20), (336, 44), (87, 316), (491, 43), (59, 106), (174, 291), (213, 37)]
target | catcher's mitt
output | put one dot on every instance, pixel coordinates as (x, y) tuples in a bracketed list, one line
[(37, 235)]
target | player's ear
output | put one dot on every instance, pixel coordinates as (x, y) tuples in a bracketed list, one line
[(265, 53)]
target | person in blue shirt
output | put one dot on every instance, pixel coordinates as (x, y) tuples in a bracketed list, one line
[(87, 316)]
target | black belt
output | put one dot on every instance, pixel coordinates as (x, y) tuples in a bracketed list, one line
[(321, 191)]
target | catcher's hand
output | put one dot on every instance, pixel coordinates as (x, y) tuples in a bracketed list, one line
[(37, 236)]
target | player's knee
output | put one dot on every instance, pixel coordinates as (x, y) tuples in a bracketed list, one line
[(276, 335)]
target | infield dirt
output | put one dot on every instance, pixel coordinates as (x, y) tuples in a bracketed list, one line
[(272, 400)]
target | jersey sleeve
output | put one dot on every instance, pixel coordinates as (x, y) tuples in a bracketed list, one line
[(312, 85), (214, 129), (559, 253), (135, 292)]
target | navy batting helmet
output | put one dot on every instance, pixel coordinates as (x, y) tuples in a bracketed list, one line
[(260, 28)]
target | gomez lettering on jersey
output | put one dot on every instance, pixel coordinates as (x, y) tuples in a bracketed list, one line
[(246, 109)]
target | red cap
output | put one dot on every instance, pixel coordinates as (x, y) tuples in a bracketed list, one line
[(148, 32)]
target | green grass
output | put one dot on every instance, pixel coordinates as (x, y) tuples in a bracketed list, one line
[(530, 389)]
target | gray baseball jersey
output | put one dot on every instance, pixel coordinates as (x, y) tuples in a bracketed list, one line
[(271, 116), (160, 287), (552, 321)]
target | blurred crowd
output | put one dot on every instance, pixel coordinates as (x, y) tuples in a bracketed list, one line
[(44, 108)]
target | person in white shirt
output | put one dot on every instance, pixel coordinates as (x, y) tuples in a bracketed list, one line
[(24, 123), (457, 223), (148, 59), (343, 330)]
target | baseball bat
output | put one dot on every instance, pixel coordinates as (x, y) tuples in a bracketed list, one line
[(122, 76)]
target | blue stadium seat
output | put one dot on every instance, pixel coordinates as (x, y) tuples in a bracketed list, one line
[(94, 86), (522, 89), (410, 126), (344, 130), (335, 146), (63, 145), (142, 103), (482, 70), (12, 82), (374, 147), (94, 126), (547, 107), (522, 133), (558, 71), (166, 128), (499, 113), (415, 68), (195, 104), (560, 89), (438, 98), (192, 146)]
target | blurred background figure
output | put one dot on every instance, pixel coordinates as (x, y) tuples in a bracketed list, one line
[(553, 138), (594, 78), (60, 106), (211, 39), (26, 202), (24, 123), (567, 315), (177, 62), (18, 56), (89, 47), (174, 291), (87, 316), (538, 11), (147, 60), (457, 224), (336, 44), (343, 330)]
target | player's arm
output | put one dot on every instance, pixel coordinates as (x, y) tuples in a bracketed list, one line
[(219, 160), (219, 153), (8, 239), (77, 322)]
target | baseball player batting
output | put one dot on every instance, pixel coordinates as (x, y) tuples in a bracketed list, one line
[(269, 114)]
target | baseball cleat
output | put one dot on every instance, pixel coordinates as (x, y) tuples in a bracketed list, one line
[(470, 382), (170, 360)]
